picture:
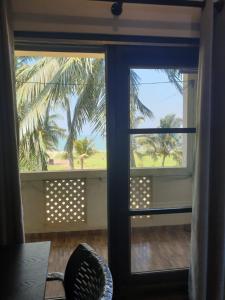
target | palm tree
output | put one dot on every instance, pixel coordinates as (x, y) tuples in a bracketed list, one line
[(176, 77), (52, 80), (164, 145), (84, 149), (170, 144), (34, 147), (134, 145), (58, 80)]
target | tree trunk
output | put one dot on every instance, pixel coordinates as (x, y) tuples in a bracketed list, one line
[(44, 163), (82, 163), (69, 143), (132, 158), (163, 160), (70, 158), (44, 166)]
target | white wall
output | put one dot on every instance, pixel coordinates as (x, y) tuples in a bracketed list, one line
[(86, 16)]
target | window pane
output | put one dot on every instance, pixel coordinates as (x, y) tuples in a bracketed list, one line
[(170, 150), (160, 242), (162, 98), (61, 110)]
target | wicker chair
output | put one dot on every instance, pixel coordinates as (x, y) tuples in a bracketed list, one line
[(86, 277)]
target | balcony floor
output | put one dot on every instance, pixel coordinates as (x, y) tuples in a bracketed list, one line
[(153, 248)]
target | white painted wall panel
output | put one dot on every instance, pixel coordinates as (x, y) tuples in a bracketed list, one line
[(86, 16)]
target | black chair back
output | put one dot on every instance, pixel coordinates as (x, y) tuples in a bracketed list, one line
[(87, 277)]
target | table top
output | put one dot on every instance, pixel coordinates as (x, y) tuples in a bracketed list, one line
[(23, 271)]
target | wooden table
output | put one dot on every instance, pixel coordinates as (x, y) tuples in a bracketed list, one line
[(23, 271)]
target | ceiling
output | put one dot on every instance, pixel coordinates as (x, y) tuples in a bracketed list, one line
[(84, 16)]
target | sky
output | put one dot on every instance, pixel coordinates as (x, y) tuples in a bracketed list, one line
[(155, 92), (159, 95)]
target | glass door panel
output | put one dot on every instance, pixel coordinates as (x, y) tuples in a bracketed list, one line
[(161, 155), (151, 137)]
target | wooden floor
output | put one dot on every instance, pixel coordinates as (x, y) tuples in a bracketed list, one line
[(154, 248), (160, 248)]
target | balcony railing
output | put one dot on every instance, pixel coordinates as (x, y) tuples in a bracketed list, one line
[(77, 200)]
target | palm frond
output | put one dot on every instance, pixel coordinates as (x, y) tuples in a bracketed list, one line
[(175, 77)]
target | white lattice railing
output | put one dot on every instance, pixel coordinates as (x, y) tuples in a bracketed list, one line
[(140, 192), (65, 200), (68, 201)]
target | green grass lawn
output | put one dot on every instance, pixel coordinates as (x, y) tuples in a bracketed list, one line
[(148, 162), (98, 161)]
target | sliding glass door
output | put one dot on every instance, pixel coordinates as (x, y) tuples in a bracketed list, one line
[(151, 133)]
